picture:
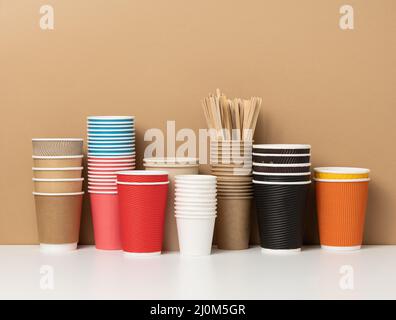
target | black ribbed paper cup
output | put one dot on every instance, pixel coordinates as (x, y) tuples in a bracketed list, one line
[(282, 148), (280, 211), (281, 159), (282, 178), (277, 168)]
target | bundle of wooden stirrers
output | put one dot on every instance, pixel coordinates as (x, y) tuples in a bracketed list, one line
[(233, 119)]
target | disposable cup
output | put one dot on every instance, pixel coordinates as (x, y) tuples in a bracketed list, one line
[(58, 220), (142, 176), (57, 147), (341, 207), (195, 200), (296, 177), (100, 138), (142, 207), (195, 234), (57, 173), (173, 161), (233, 224), (116, 119), (106, 221), (109, 176), (281, 158), (58, 185), (197, 208), (196, 178), (94, 165), (337, 173), (281, 168), (282, 148), (57, 161), (104, 125), (280, 212)]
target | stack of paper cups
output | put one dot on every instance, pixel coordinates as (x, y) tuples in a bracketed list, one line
[(281, 179), (341, 198), (174, 167), (195, 208), (111, 148), (231, 162), (57, 177)]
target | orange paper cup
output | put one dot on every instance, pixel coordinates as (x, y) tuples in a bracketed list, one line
[(341, 206)]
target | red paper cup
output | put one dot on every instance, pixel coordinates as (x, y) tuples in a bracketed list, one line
[(106, 221), (142, 213), (142, 176)]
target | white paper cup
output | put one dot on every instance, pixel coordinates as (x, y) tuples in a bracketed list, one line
[(211, 209), (195, 234)]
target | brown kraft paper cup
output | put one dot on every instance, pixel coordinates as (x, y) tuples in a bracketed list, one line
[(233, 224), (57, 147), (171, 239), (58, 218), (58, 186), (61, 173)]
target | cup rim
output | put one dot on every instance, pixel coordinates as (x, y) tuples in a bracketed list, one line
[(102, 181), (110, 130), (101, 158), (342, 180), (194, 177), (143, 183), (296, 155), (57, 180), (107, 150), (176, 160), (282, 146), (142, 173), (57, 157), (190, 217), (58, 139), (281, 165), (94, 188), (110, 117), (120, 161), (108, 155), (93, 139), (58, 169), (111, 135), (282, 183), (105, 125), (342, 170), (282, 173), (110, 168), (103, 192), (58, 194), (99, 177)]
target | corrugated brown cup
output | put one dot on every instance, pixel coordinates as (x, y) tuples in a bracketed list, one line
[(58, 185), (58, 217)]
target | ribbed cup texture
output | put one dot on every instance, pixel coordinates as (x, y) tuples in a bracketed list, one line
[(281, 169), (281, 160), (142, 213), (280, 210), (281, 151), (341, 210), (57, 148)]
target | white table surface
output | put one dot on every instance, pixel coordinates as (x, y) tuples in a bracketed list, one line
[(92, 274)]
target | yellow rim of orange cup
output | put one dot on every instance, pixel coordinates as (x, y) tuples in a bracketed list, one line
[(341, 173)]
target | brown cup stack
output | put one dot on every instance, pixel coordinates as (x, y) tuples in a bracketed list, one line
[(231, 162), (58, 184)]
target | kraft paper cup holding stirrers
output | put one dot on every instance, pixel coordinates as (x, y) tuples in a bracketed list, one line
[(58, 220), (195, 213), (341, 199), (174, 167), (142, 204)]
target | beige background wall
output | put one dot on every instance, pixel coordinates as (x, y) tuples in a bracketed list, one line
[(156, 59)]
